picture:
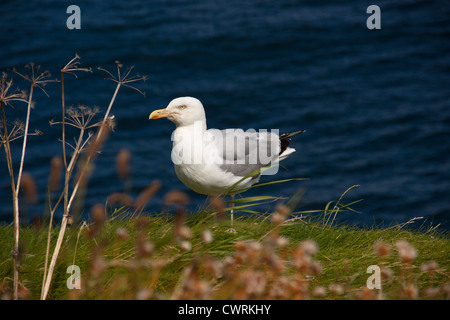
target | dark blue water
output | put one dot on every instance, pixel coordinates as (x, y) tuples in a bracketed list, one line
[(375, 103)]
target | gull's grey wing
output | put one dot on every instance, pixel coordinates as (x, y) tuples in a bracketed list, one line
[(244, 152)]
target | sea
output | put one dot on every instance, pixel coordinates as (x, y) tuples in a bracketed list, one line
[(371, 87)]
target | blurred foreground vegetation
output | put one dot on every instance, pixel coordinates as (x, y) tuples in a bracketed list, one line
[(199, 256)]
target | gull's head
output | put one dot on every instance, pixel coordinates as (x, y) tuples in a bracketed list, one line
[(182, 111)]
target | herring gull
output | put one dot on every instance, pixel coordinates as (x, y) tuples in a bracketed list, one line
[(218, 162)]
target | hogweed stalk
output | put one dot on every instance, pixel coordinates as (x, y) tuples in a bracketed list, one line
[(80, 119), (37, 79), (72, 67), (84, 169)]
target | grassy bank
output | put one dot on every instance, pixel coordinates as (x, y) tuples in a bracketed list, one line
[(185, 256), (195, 256)]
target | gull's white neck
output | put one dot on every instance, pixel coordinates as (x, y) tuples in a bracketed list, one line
[(188, 132)]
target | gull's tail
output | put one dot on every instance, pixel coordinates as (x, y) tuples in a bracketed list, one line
[(285, 141)]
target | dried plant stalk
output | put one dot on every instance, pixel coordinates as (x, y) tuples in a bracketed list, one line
[(37, 79), (84, 170)]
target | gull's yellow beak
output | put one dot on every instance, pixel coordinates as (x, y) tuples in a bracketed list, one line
[(161, 113)]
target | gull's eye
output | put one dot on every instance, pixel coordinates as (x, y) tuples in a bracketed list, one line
[(182, 107)]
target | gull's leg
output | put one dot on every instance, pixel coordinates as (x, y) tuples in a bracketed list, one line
[(231, 230), (231, 206)]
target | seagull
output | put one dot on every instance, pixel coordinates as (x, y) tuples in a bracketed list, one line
[(220, 162)]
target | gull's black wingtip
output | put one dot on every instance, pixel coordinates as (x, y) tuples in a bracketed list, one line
[(285, 139), (288, 135), (295, 133)]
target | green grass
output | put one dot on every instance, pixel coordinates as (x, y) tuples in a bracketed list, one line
[(120, 268), (346, 252)]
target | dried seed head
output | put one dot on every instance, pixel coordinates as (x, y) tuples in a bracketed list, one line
[(179, 230), (144, 248), (142, 222), (446, 289), (276, 218), (275, 262), (123, 164), (411, 291), (100, 138), (37, 78), (98, 216), (253, 251), (185, 245), (73, 66), (7, 97), (253, 246), (219, 205), (230, 268), (111, 122), (300, 260), (336, 289), (279, 289), (98, 213), (430, 266), (240, 246), (319, 292), (124, 77), (122, 233), (184, 232), (282, 242), (214, 267), (70, 220), (382, 249), (406, 251), (432, 292), (364, 294), (98, 265), (28, 187), (37, 222), (207, 236), (255, 282), (310, 247), (143, 294), (24, 292), (118, 197), (316, 267), (176, 197), (283, 210), (146, 195), (159, 264), (387, 273), (56, 169), (200, 289)]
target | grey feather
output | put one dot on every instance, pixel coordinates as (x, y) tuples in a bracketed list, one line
[(247, 152)]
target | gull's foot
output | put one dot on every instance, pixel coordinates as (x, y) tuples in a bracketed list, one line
[(231, 230)]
